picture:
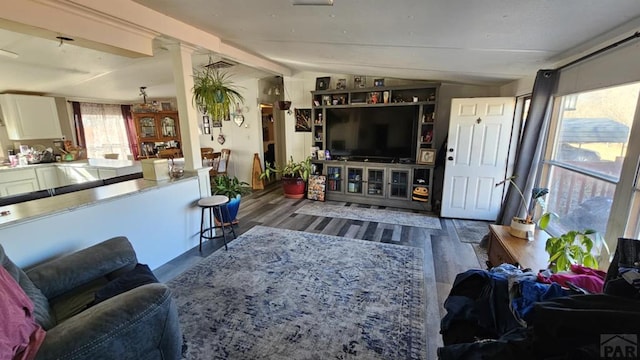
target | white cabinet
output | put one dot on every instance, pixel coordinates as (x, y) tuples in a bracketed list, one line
[(29, 117), (18, 181), (47, 177)]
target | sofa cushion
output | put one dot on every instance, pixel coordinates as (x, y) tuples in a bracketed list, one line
[(140, 275), (41, 308)]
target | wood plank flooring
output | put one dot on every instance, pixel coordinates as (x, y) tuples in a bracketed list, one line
[(445, 254)]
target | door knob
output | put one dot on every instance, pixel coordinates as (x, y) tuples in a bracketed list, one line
[(450, 158)]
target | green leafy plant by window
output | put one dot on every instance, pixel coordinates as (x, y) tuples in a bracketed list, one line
[(571, 248), (537, 198)]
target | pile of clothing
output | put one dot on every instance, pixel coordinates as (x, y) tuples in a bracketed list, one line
[(509, 313)]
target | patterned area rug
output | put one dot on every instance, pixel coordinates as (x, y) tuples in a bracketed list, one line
[(375, 215), (471, 231), (284, 294)]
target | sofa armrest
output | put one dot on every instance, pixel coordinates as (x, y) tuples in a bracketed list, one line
[(65, 273), (132, 325)]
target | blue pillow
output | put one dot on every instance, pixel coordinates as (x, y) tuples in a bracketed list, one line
[(140, 275)]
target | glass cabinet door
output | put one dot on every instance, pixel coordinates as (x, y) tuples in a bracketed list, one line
[(354, 180), (334, 178), (147, 127), (169, 127), (375, 182), (399, 184)]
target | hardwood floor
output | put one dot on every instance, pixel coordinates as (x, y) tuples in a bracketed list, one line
[(445, 254)]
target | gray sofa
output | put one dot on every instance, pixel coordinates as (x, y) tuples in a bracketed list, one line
[(141, 323)]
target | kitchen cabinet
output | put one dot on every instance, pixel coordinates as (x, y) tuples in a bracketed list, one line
[(156, 132), (47, 177), (29, 117), (18, 181)]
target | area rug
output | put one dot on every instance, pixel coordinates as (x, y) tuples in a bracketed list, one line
[(471, 231), (375, 215), (284, 294)]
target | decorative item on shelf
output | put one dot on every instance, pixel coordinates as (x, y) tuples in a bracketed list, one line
[(374, 97), (341, 84), (385, 97), (378, 82), (213, 92), (322, 83), (326, 99), (321, 155), (327, 155), (166, 106), (427, 157), (359, 81), (420, 193), (314, 152), (303, 120), (525, 227)]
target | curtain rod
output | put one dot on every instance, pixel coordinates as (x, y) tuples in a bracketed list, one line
[(600, 51)]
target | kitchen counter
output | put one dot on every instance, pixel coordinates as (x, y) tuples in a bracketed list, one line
[(98, 163), (49, 206)]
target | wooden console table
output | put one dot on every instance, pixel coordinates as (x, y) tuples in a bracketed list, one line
[(505, 248)]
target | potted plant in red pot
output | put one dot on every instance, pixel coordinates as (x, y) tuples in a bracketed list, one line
[(294, 176)]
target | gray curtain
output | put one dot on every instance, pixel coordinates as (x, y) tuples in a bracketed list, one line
[(531, 144)]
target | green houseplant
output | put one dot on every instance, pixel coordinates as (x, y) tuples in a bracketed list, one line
[(522, 226), (213, 92), (571, 248), (233, 189), (294, 176)]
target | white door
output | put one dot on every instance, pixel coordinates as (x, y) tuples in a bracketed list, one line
[(477, 152)]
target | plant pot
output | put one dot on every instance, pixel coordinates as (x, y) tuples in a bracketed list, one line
[(233, 206), (520, 228), (284, 105), (293, 187)]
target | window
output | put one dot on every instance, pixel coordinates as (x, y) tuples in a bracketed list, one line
[(104, 130), (588, 144)]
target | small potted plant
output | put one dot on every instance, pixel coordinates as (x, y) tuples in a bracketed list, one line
[(523, 226), (294, 176), (233, 189)]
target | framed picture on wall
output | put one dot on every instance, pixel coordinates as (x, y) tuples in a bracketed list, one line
[(303, 120), (206, 129), (205, 119), (427, 157), (322, 83)]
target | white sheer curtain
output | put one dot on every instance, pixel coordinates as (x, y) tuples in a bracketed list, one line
[(104, 130)]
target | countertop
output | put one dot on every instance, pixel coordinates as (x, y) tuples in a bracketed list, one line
[(35, 209), (98, 163)]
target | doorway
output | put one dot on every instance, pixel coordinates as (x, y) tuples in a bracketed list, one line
[(268, 137), (477, 153)]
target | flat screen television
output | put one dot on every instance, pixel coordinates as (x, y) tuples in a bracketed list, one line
[(372, 133)]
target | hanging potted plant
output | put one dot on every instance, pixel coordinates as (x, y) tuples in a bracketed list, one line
[(213, 93), (521, 227), (294, 176)]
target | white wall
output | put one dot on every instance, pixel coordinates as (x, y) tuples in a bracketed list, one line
[(244, 140), (161, 223)]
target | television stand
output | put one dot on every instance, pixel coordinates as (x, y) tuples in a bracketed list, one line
[(378, 183)]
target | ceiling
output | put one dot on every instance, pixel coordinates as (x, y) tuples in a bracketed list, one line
[(489, 42)]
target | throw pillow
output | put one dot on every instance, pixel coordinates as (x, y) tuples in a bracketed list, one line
[(140, 275)]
